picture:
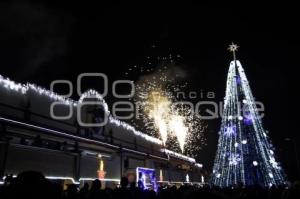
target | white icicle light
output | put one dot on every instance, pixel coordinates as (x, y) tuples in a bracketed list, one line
[(178, 155), (130, 128), (24, 88), (94, 94), (199, 165)]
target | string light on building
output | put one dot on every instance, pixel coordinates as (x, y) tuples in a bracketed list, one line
[(161, 177), (187, 178), (101, 171), (25, 89)]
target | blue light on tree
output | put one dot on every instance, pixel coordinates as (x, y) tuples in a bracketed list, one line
[(238, 80), (230, 130), (248, 119)]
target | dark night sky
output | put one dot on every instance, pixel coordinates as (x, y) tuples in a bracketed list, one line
[(41, 42)]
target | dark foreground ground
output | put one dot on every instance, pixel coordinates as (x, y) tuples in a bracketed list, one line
[(33, 185)]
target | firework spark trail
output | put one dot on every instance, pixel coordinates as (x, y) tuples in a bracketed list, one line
[(156, 94), (158, 111), (178, 126), (165, 117)]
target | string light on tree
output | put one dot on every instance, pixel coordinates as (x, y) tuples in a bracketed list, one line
[(253, 161)]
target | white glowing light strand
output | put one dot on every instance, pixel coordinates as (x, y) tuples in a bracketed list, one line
[(199, 165), (49, 94), (240, 170), (130, 128), (73, 180), (264, 144), (178, 155), (9, 84), (229, 174), (104, 179), (24, 88), (220, 160), (91, 94)]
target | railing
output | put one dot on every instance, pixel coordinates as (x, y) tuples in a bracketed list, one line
[(26, 120)]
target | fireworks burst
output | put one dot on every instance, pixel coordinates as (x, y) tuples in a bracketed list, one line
[(158, 111), (178, 126), (162, 115)]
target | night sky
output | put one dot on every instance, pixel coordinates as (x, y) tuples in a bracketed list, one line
[(41, 42)]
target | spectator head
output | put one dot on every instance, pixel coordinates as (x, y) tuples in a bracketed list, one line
[(96, 185), (124, 182), (31, 184), (71, 191)]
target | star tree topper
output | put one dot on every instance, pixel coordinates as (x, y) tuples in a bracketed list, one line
[(233, 48)]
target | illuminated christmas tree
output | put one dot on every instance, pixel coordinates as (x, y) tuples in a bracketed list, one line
[(245, 154)]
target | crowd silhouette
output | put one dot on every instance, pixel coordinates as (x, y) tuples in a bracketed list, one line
[(33, 185)]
